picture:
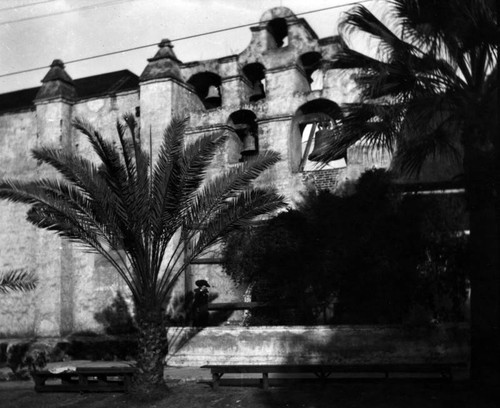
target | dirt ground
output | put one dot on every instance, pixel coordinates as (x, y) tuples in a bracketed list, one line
[(338, 394)]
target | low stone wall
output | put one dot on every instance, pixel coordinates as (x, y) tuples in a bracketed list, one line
[(447, 343)]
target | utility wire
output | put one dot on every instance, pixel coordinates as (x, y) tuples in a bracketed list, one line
[(27, 5), (58, 13), (176, 39)]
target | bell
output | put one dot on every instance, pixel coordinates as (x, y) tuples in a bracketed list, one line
[(321, 143), (241, 129), (213, 96), (249, 145), (257, 92)]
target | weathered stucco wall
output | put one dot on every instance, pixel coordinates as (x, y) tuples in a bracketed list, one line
[(73, 285), (318, 344), (22, 245)]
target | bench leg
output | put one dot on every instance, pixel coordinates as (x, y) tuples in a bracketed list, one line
[(323, 376), (265, 381), (39, 383), (83, 382), (215, 380), (127, 382)]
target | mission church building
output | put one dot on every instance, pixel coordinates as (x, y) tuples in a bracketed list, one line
[(279, 93)]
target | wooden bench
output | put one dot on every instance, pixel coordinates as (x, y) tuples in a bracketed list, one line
[(324, 371), (86, 379)]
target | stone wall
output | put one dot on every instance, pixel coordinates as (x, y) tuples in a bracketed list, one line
[(325, 179), (318, 344), (73, 284)]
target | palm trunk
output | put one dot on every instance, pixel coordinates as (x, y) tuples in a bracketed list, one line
[(482, 189), (152, 349)]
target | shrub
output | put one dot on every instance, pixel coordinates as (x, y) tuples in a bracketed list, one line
[(363, 248), (105, 348), (16, 353), (116, 317)]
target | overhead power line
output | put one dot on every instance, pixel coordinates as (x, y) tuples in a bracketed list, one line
[(27, 5), (58, 13), (176, 39)]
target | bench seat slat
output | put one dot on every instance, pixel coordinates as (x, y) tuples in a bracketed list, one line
[(312, 368), (82, 379), (324, 370)]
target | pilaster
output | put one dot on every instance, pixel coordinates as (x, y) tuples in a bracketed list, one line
[(54, 103), (163, 94)]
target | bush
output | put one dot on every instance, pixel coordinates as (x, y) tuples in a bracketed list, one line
[(106, 348), (116, 317), (16, 354), (363, 249)]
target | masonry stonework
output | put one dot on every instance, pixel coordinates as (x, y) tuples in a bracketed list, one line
[(266, 97)]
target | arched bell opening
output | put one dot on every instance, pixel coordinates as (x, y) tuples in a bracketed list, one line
[(255, 73), (278, 30), (207, 86), (244, 123), (313, 126), (311, 62)]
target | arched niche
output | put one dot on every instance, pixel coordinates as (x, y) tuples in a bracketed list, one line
[(255, 73), (318, 114), (245, 142), (311, 62), (278, 30), (207, 87)]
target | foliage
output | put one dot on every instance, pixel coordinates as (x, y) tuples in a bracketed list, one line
[(443, 280), (17, 280), (371, 251), (130, 210), (432, 76), (36, 360), (104, 348), (116, 317), (16, 354), (23, 356)]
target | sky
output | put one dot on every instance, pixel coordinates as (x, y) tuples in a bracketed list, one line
[(78, 29)]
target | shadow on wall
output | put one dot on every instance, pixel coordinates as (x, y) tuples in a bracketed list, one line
[(350, 345), (187, 318)]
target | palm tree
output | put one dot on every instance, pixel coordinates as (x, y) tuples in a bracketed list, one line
[(17, 280), (429, 91), (131, 212)]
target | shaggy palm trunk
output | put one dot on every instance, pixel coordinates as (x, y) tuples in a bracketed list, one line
[(482, 188), (152, 349)]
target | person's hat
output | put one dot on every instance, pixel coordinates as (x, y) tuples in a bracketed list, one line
[(202, 282)]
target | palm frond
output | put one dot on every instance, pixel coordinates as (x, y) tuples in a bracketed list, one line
[(105, 150), (167, 174), (17, 280), (438, 141), (347, 58), (86, 176), (238, 213), (192, 168), (61, 208), (360, 19), (428, 80), (228, 185)]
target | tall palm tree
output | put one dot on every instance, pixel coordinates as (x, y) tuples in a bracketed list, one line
[(17, 280), (430, 91), (131, 212)]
